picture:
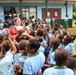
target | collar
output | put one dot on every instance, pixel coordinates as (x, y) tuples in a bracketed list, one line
[(34, 54), (60, 67)]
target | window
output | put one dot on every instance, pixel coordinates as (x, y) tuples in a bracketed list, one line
[(28, 12)]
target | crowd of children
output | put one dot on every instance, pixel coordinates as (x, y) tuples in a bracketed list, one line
[(33, 48)]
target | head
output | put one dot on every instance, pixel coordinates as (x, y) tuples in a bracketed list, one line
[(60, 36), (32, 45), (6, 45), (17, 21), (66, 39), (61, 56), (2, 52), (23, 38), (55, 42), (64, 33), (40, 26), (40, 33), (17, 47), (55, 25), (32, 33), (1, 38), (71, 63), (54, 29), (5, 25), (26, 23), (61, 27), (22, 47)]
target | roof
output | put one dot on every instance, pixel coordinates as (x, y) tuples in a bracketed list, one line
[(40, 1)]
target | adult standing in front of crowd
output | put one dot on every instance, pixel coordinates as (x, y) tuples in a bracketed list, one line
[(16, 28)]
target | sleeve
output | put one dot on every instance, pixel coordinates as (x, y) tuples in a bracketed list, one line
[(27, 69), (7, 59), (67, 48), (45, 73)]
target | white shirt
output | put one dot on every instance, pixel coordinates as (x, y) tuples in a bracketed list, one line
[(21, 60), (61, 71), (48, 20), (41, 49), (5, 63), (51, 60), (33, 64)]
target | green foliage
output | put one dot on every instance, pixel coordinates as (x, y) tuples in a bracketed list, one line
[(74, 11), (74, 8), (73, 33)]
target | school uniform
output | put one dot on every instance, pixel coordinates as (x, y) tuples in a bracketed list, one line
[(16, 58), (43, 43), (56, 70), (33, 64), (68, 47), (10, 66), (5, 63), (61, 45), (41, 49), (51, 58), (51, 35), (21, 60), (71, 45)]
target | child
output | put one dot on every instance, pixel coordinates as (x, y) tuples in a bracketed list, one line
[(61, 57), (36, 60), (55, 42), (67, 43), (6, 58), (22, 58)]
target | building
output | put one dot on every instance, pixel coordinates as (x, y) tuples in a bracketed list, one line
[(39, 8)]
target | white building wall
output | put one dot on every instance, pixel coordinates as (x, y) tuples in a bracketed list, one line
[(1, 13)]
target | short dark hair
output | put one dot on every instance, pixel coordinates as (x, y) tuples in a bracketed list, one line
[(71, 63), (22, 45), (68, 39), (2, 49), (1, 38), (5, 25), (60, 36), (55, 42), (40, 32), (61, 55), (33, 43), (6, 45)]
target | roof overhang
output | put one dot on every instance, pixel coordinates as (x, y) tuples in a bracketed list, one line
[(39, 1)]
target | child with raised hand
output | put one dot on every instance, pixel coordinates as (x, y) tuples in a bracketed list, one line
[(24, 55), (6, 58), (61, 58)]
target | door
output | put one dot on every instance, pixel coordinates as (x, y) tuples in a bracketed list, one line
[(53, 12)]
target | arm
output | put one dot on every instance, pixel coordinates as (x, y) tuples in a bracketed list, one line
[(45, 31), (11, 43), (27, 35)]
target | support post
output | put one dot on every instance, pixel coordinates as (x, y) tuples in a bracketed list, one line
[(46, 8), (21, 8), (66, 8)]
